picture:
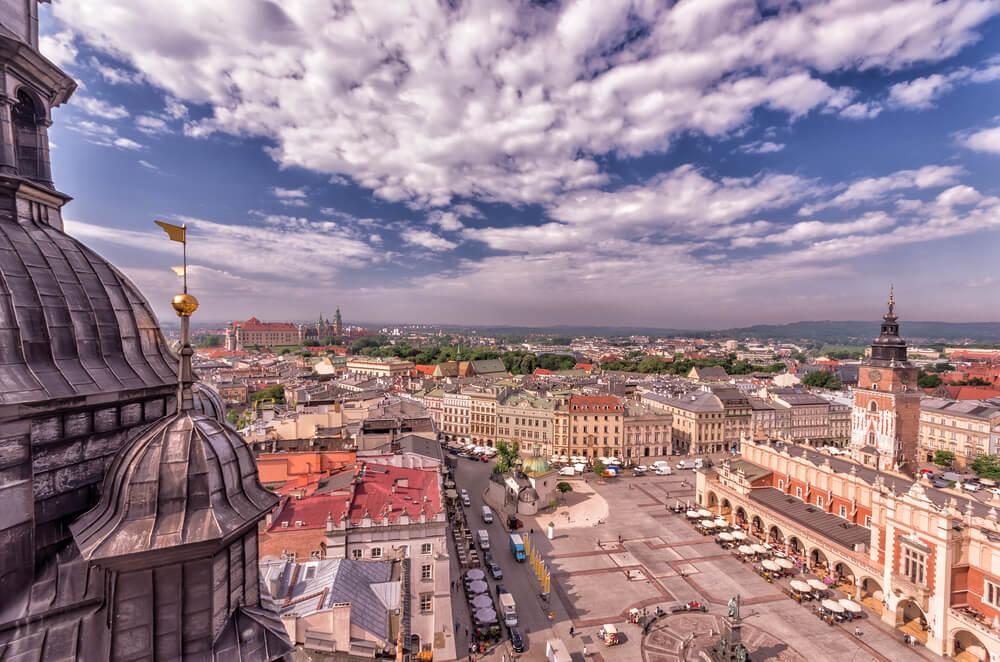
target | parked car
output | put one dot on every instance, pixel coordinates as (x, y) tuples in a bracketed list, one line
[(516, 641), (466, 501), (970, 487), (640, 470), (939, 483), (663, 470), (501, 589), (495, 570), (682, 465)]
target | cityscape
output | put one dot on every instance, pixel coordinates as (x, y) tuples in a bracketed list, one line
[(499, 330)]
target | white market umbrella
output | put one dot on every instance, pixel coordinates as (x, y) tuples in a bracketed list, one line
[(719, 521), (850, 605), (707, 524), (744, 549), (817, 584), (758, 549), (726, 537), (613, 460), (784, 563), (739, 535), (486, 616), (800, 586), (475, 574), (770, 565), (482, 601), (478, 586), (692, 514), (835, 607), (705, 513)]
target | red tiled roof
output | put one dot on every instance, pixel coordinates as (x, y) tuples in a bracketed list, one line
[(425, 369), (254, 324), (595, 403), (386, 490), (584, 366), (543, 371), (311, 511), (971, 392)]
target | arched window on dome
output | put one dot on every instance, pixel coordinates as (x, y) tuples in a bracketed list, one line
[(24, 116), (873, 406)]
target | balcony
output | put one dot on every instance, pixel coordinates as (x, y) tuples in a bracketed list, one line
[(975, 621), (919, 593)]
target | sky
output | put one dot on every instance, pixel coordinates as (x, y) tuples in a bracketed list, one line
[(694, 164)]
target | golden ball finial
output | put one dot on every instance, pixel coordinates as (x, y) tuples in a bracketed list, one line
[(185, 304)]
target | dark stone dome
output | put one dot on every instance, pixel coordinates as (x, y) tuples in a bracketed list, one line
[(208, 402), (188, 479), (70, 323)]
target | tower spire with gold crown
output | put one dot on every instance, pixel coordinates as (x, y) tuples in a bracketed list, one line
[(184, 304)]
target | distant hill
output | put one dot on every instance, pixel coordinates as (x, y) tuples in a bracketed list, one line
[(862, 333), (824, 331)]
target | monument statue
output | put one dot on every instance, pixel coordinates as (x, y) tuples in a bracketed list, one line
[(730, 646)]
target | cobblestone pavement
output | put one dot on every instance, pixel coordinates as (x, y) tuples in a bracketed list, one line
[(642, 555)]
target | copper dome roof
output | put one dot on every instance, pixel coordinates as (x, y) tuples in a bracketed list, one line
[(70, 323), (188, 479)]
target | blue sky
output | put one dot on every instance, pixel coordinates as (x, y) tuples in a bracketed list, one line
[(713, 163)]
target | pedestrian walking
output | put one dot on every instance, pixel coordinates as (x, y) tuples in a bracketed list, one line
[(585, 651), (572, 632)]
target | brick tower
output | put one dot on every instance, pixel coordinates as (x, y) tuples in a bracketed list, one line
[(886, 402)]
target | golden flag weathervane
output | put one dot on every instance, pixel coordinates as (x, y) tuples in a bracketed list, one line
[(185, 304)]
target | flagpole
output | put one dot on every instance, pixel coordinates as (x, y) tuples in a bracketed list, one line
[(185, 259)]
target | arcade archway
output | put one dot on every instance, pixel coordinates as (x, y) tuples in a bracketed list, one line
[(911, 620), (967, 647)]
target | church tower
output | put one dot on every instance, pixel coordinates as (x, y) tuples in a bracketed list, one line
[(886, 416), (338, 323)]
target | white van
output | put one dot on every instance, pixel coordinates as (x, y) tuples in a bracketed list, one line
[(487, 515), (484, 539), (663, 470), (699, 463), (567, 471)]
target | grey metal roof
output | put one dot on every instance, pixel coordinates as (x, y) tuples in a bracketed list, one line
[(899, 485), (70, 323), (812, 517), (187, 479), (983, 410), (431, 448), (697, 401), (368, 586)]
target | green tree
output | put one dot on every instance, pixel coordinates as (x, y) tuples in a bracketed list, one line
[(209, 340), (275, 392), (926, 380), (987, 466), (943, 458), (599, 468), (564, 487), (822, 379), (507, 456), (975, 381)]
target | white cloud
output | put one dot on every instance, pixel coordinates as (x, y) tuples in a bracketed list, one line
[(446, 220), (762, 147), (921, 93), (862, 110), (126, 143), (175, 109), (151, 125), (59, 48), (149, 166), (116, 75), (288, 247), (426, 239), (98, 107), (986, 140), (812, 230), (290, 197), (423, 102), (876, 188), (103, 135)]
